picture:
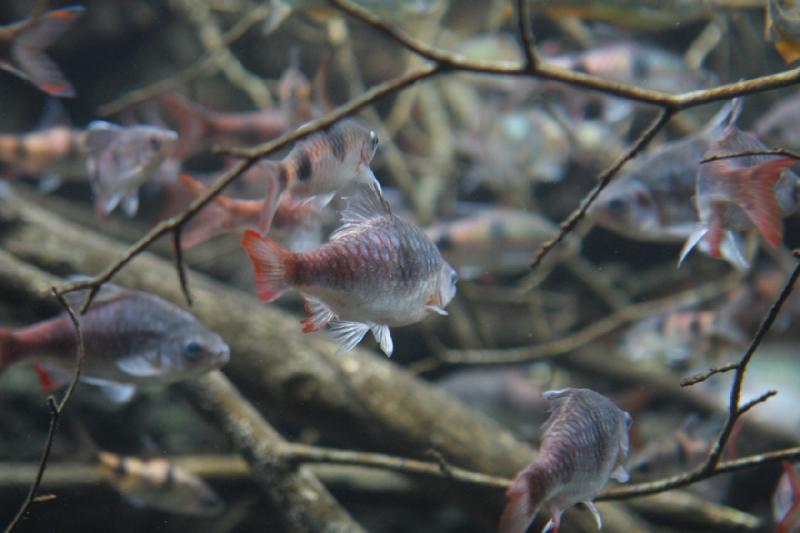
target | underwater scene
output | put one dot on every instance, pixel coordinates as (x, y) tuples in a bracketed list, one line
[(399, 266)]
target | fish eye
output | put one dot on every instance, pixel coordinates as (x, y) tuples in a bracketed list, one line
[(193, 349), (617, 206), (155, 143), (453, 278), (628, 420), (373, 139)]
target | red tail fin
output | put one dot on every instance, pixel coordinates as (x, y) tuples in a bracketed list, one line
[(189, 119), (27, 57), (757, 197), (7, 349), (272, 264), (524, 499)]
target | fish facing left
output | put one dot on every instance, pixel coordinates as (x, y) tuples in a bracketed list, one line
[(159, 483), (22, 44), (121, 159), (131, 338), (377, 271)]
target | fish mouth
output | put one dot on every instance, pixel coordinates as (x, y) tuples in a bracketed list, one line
[(222, 357)]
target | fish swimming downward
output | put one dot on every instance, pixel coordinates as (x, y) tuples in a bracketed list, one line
[(297, 224), (121, 159), (131, 338), (585, 443), (21, 45), (733, 195), (321, 165), (377, 271)]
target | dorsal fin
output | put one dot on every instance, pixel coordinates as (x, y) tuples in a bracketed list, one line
[(367, 203)]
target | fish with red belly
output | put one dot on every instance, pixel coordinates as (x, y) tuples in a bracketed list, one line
[(377, 271)]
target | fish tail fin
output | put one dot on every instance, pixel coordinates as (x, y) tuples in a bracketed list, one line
[(276, 184), (27, 50), (525, 496), (757, 196), (189, 119), (272, 264), (8, 352), (214, 219)]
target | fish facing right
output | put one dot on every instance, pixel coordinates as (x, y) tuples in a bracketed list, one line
[(131, 338), (121, 159), (377, 271), (585, 443)]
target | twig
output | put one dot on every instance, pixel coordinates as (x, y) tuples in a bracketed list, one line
[(526, 34), (771, 151), (604, 179), (180, 266), (699, 378), (56, 409)]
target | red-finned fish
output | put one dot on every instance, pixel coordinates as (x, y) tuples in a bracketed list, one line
[(733, 195), (158, 483), (22, 44), (121, 159), (679, 335), (783, 28), (786, 500), (321, 165), (490, 239), (377, 271), (296, 225), (201, 128), (132, 338), (585, 443), (651, 199)]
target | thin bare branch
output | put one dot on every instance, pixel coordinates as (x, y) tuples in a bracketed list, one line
[(604, 179), (180, 266), (699, 378), (771, 151), (526, 34), (56, 409)]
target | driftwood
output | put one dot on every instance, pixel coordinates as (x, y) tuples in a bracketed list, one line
[(303, 502)]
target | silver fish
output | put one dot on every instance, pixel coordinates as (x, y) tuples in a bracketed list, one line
[(121, 159), (132, 338), (585, 443), (377, 271)]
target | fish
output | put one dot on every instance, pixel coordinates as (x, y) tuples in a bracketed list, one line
[(51, 151), (376, 271), (321, 165), (515, 148), (786, 500), (22, 44), (158, 483), (782, 26), (121, 159), (651, 199), (132, 338), (585, 443), (733, 195), (296, 225), (676, 336), (637, 64), (490, 239), (200, 128)]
